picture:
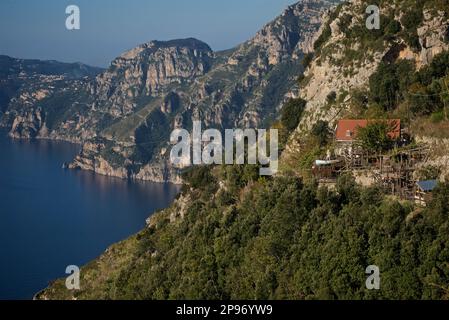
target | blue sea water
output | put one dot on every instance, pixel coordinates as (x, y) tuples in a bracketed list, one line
[(52, 217)]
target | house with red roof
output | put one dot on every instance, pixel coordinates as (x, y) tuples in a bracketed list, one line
[(346, 130)]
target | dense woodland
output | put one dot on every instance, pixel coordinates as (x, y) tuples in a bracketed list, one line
[(282, 239)]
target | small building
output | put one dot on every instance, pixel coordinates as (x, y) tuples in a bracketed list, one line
[(346, 134), (346, 131), (423, 191)]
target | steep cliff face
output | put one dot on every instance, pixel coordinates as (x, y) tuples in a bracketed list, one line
[(28, 125), (132, 107), (350, 53), (347, 54), (24, 84), (147, 70)]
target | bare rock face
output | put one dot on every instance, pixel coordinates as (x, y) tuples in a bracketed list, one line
[(28, 125), (281, 39), (433, 36), (91, 158), (331, 71), (344, 62), (125, 114), (147, 70)]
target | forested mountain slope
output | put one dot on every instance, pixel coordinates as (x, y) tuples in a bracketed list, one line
[(234, 234)]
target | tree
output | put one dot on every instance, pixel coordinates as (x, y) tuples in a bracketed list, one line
[(384, 85), (420, 100), (321, 132), (445, 95), (291, 113), (393, 27), (375, 136)]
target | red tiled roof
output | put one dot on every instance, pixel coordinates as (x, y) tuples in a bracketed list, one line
[(347, 129)]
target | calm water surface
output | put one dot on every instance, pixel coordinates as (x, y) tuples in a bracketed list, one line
[(51, 217)]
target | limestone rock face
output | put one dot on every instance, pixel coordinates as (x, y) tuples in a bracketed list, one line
[(433, 36), (438, 155), (331, 71), (147, 70), (28, 125), (125, 114), (344, 61)]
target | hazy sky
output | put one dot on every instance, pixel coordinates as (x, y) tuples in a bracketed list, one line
[(36, 28)]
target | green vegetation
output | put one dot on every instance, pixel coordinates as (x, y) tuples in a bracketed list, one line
[(273, 94), (113, 158), (323, 38), (428, 172), (307, 60), (234, 235), (149, 135), (291, 113), (398, 87), (278, 239), (201, 178), (331, 97), (63, 105), (411, 21), (398, 24), (374, 137), (321, 132)]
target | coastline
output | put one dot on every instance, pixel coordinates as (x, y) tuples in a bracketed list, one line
[(101, 166), (65, 206)]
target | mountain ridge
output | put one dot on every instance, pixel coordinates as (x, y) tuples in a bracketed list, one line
[(122, 115), (232, 234)]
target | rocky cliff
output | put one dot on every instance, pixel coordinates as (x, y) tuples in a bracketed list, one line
[(125, 115), (24, 84), (346, 55)]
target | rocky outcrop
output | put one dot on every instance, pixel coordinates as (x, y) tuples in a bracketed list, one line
[(345, 57), (148, 91), (332, 72), (433, 38), (438, 155), (26, 85), (98, 157), (147, 70), (28, 125)]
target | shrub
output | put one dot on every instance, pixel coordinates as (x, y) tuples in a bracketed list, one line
[(291, 113), (428, 173), (393, 28), (437, 117), (307, 60), (321, 132), (411, 21), (199, 177), (324, 36), (331, 97)]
